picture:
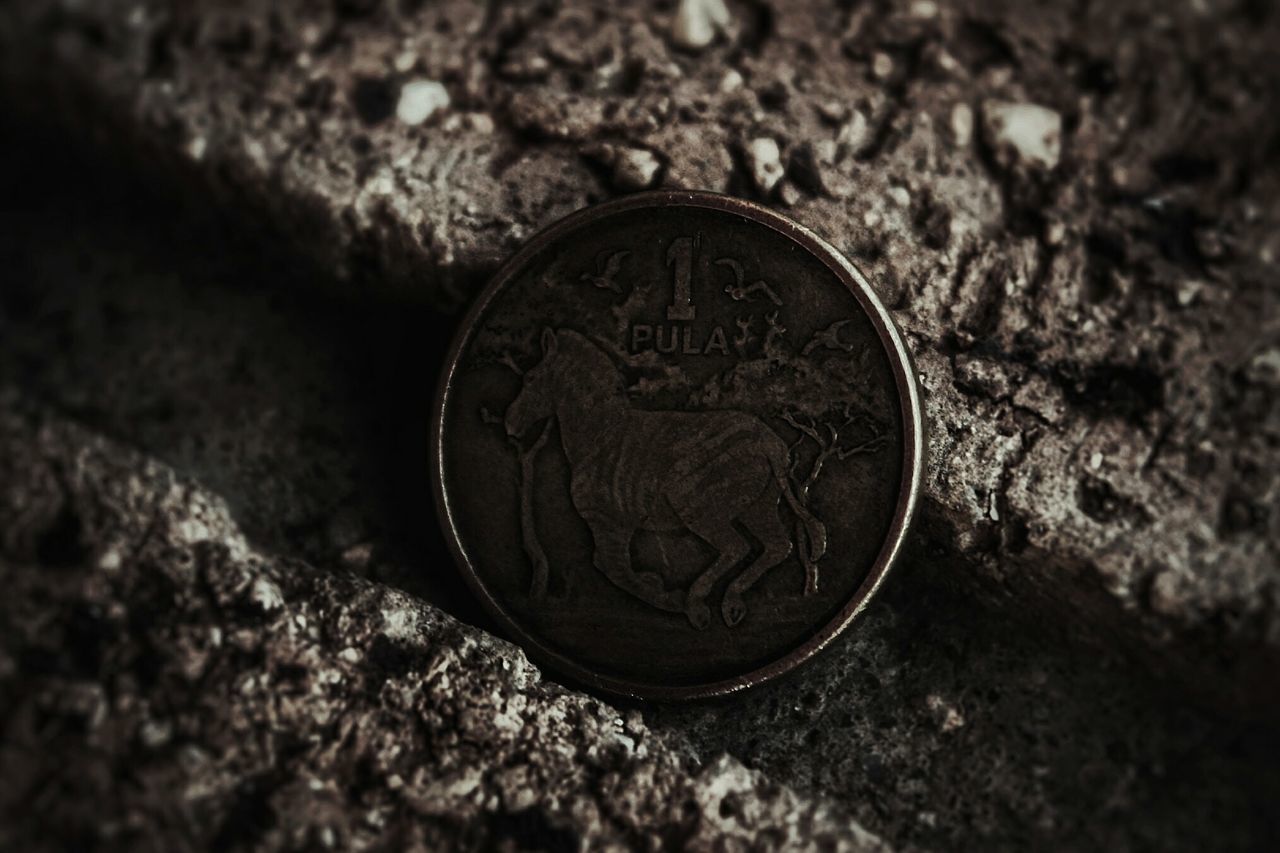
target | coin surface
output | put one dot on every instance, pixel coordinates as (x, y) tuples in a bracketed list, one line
[(677, 445)]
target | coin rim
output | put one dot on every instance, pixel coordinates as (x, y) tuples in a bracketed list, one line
[(912, 451)]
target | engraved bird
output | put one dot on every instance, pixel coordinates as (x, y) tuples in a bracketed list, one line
[(740, 291), (828, 338), (605, 276)]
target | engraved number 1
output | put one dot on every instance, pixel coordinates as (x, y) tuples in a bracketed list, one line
[(681, 255)]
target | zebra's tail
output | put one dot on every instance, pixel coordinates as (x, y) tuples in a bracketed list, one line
[(810, 535)]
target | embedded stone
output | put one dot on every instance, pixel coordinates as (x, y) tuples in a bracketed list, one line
[(419, 100), (764, 160), (697, 22), (1023, 135)]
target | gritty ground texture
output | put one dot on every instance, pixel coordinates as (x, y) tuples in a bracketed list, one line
[(199, 693), (942, 721), (1071, 210)]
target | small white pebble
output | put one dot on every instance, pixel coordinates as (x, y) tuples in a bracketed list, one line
[(731, 81), (1031, 132), (311, 34), (110, 560), (358, 555), (155, 733), (950, 717), (419, 100), (947, 62), (267, 594), (405, 61), (881, 65), (765, 161), (1164, 593), (854, 132), (1095, 461), (635, 169), (1264, 367), (924, 9), (196, 148), (1188, 291), (832, 111), (350, 655), (399, 623), (697, 22), (961, 124), (1054, 232), (900, 196), (257, 153), (871, 218), (1119, 176)]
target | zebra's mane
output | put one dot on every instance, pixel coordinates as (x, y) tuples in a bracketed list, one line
[(589, 361)]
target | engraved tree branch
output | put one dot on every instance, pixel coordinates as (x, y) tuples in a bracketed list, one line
[(502, 348), (831, 437), (527, 456), (508, 360), (528, 528), (774, 330), (744, 337)]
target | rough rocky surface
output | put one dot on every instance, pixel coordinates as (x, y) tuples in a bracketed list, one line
[(1072, 212), (943, 721), (1093, 314), (167, 685)]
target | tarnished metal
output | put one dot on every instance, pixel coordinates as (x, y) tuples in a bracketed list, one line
[(677, 445)]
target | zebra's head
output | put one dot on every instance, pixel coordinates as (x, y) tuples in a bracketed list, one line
[(537, 399), (573, 373)]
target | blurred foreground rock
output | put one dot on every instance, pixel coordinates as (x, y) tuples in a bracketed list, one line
[(165, 685)]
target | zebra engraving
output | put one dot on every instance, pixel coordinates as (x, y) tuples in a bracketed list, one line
[(635, 470)]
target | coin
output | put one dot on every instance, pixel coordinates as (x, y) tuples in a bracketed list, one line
[(677, 445)]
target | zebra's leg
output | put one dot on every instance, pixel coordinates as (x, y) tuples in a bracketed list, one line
[(764, 523), (613, 558), (731, 547)]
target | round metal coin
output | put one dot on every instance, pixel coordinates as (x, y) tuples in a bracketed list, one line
[(677, 445)]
